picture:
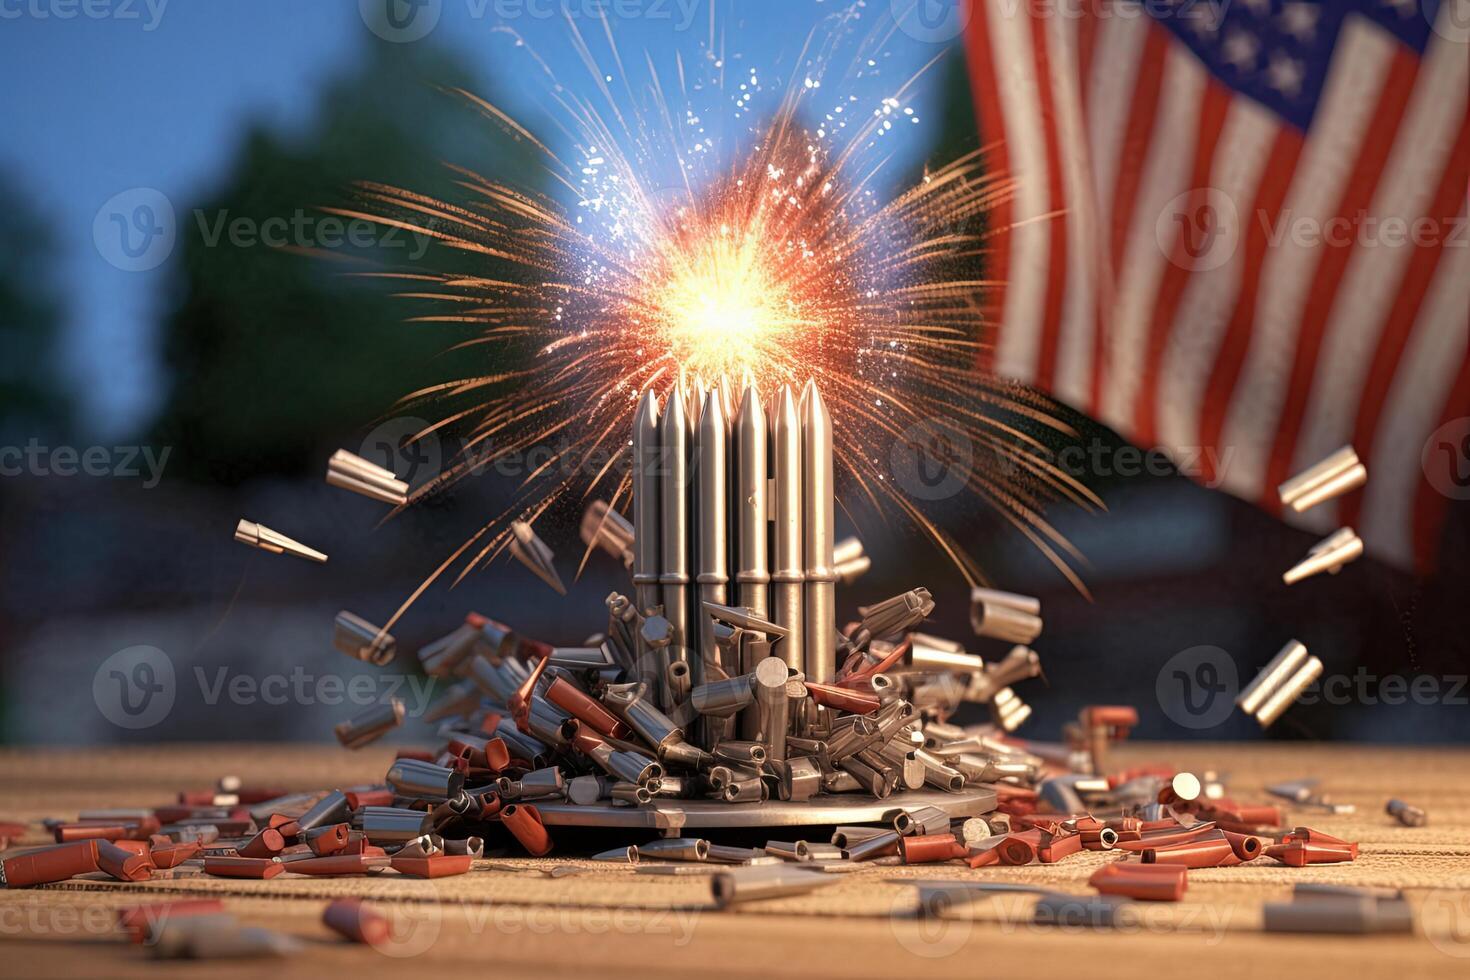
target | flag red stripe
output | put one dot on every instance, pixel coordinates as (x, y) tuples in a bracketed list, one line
[(1056, 277), (1131, 156), (1265, 211), (1332, 263), (1213, 107), (1449, 202), (986, 94)]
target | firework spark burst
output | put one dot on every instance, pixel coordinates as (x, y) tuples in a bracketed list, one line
[(772, 264)]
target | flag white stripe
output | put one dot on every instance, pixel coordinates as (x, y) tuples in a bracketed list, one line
[(1436, 351), (1015, 71), (1165, 175), (1075, 334), (1204, 310)]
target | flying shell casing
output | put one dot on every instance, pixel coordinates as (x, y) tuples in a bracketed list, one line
[(1286, 695), (818, 538), (606, 529), (351, 472), (1008, 710), (849, 560), (370, 725), (1328, 555), (752, 568), (788, 571), (527, 548), (674, 543), (712, 510), (424, 780), (262, 537), (363, 641), (647, 510), (1282, 666), (1005, 615), (1332, 477)]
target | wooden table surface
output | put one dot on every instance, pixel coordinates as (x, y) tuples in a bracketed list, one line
[(519, 917)]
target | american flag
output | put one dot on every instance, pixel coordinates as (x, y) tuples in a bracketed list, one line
[(1239, 233)]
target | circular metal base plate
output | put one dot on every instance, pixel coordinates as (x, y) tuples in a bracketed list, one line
[(672, 816)]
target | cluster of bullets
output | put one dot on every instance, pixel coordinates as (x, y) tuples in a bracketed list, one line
[(1332, 477), (689, 694)]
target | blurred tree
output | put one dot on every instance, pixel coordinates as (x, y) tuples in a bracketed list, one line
[(33, 400), (274, 353)]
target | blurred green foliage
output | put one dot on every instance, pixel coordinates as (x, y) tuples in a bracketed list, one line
[(33, 398), (273, 352)]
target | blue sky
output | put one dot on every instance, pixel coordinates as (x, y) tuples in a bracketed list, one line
[(106, 96)]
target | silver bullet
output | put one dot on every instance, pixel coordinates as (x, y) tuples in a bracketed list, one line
[(1005, 615), (1327, 555), (744, 618), (647, 516), (711, 467), (674, 541), (262, 537), (787, 573), (531, 551), (818, 527), (752, 572), (352, 472)]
